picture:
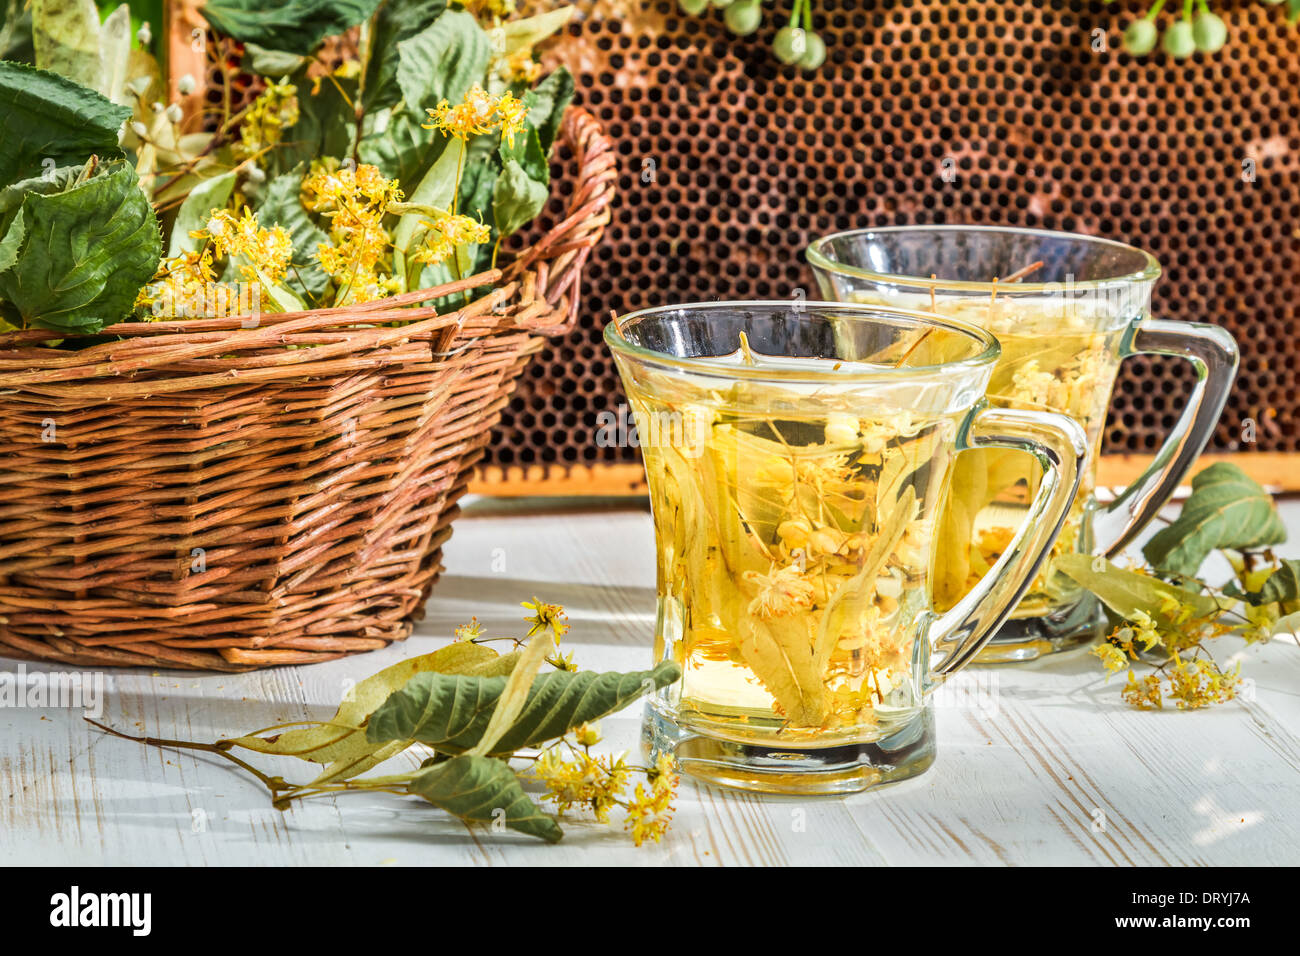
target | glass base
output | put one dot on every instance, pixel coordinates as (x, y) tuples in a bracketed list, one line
[(1029, 638), (845, 768)]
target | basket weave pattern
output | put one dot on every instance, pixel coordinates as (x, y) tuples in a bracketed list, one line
[(203, 495)]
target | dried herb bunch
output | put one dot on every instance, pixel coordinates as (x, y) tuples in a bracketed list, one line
[(492, 725), (1166, 615)]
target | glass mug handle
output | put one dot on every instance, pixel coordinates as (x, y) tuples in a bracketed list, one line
[(1213, 353), (1061, 447)]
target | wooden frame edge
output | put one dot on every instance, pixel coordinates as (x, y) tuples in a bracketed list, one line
[(1277, 471)]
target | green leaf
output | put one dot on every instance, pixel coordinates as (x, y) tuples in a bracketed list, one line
[(451, 713), (1225, 510), (397, 20), (484, 789), (65, 34), (547, 103), (56, 181), (394, 141), (47, 121), (517, 198), (87, 253), (282, 206), (435, 191), (529, 154), (11, 243), (294, 26), (1293, 10), (1282, 585), (342, 736), (196, 210), (1126, 592), (442, 61)]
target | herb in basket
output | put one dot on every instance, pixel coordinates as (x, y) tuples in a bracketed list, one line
[(1167, 616), (391, 146), (491, 724)]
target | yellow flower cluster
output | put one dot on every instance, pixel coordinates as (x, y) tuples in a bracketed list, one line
[(267, 251), (185, 287), (468, 632), (480, 112), (596, 783), (354, 200), (272, 112), (445, 234), (1192, 683), (546, 616), (650, 812)]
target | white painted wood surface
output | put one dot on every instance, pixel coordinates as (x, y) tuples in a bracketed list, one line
[(1039, 763)]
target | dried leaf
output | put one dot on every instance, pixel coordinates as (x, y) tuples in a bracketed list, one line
[(342, 737), (1126, 592), (511, 702)]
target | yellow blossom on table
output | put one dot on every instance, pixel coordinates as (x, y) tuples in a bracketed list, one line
[(587, 781), (266, 250), (1145, 693), (1199, 683), (468, 632), (545, 616), (563, 662), (587, 735), (446, 234), (1112, 657), (478, 113), (649, 813), (271, 113), (663, 775)]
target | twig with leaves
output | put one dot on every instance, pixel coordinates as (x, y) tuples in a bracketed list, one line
[(479, 715), (1166, 615)]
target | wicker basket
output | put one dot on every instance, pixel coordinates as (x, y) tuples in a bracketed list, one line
[(197, 495)]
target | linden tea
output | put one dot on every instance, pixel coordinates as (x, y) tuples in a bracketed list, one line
[(1066, 310), (797, 462)]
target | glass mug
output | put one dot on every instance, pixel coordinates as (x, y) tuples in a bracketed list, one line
[(797, 455), (1067, 309)]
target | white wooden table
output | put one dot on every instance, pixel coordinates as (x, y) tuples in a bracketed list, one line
[(1038, 763)]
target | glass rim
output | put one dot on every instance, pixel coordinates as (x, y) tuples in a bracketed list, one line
[(988, 353), (819, 260)]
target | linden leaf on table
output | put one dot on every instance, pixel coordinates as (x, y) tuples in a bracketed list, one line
[(1226, 510)]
